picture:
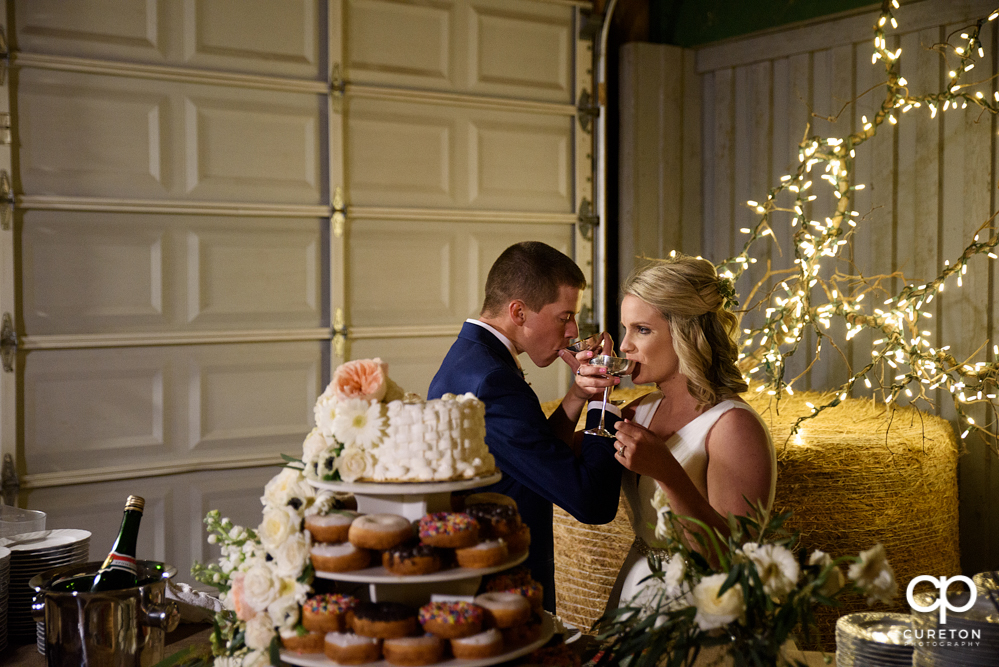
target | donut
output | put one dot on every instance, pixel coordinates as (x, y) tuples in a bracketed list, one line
[(495, 520), (310, 642), (327, 612), (490, 497), (504, 610), (346, 648), (559, 655), (379, 531), (520, 541), (483, 554), (338, 557), (534, 593), (525, 633), (451, 619), (412, 651), (383, 620), (518, 576), (411, 558), (452, 530), (330, 527), (483, 645)]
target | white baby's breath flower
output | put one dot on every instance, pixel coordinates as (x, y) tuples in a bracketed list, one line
[(777, 568), (874, 575), (260, 586), (354, 463), (714, 611), (292, 555), (259, 632), (314, 445), (278, 525), (359, 423)]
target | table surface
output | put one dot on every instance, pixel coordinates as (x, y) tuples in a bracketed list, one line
[(27, 655)]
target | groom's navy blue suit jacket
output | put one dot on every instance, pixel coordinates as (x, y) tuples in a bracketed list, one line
[(538, 468)]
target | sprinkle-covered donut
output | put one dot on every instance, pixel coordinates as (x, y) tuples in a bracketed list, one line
[(518, 576), (451, 619), (383, 619), (495, 520), (411, 557), (379, 531), (483, 645), (504, 610), (484, 554), (453, 530), (413, 651), (346, 648), (327, 612)]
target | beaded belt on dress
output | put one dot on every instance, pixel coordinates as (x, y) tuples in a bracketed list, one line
[(643, 548)]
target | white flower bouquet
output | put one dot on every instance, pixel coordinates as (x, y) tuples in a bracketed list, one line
[(744, 593)]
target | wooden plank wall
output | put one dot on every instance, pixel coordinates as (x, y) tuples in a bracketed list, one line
[(929, 184)]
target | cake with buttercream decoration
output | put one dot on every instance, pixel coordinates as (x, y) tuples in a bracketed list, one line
[(369, 430)]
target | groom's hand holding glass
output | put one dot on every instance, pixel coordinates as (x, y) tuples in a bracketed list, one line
[(589, 380)]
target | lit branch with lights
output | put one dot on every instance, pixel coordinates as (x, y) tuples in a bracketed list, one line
[(903, 361)]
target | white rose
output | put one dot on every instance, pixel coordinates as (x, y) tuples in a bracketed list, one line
[(714, 611), (284, 610), (292, 555), (277, 492), (777, 568), (314, 446), (259, 632), (260, 588), (353, 464), (257, 659), (279, 523)]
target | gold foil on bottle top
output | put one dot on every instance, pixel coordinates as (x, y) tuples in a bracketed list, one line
[(135, 503)]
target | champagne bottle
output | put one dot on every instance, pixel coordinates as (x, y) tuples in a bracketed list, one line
[(119, 570)]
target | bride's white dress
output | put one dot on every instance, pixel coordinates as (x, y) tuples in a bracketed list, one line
[(687, 446)]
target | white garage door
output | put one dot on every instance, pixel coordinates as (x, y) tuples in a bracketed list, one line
[(217, 201)]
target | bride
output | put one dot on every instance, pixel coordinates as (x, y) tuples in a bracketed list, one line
[(694, 438)]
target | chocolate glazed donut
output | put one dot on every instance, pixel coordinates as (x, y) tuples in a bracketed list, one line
[(383, 620)]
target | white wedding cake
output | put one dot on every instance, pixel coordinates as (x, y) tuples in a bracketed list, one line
[(368, 430)]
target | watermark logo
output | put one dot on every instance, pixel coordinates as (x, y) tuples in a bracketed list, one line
[(942, 602)]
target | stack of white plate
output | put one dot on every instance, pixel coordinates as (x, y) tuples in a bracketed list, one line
[(31, 554), (4, 589), (873, 639), (968, 638)]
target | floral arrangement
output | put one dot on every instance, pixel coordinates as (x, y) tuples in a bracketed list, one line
[(350, 422), (744, 593), (265, 575)]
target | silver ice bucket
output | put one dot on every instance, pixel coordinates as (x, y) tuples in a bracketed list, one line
[(122, 628)]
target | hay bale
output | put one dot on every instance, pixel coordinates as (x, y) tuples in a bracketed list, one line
[(855, 475)]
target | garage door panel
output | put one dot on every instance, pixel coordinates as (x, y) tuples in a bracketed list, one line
[(412, 361), (93, 408), (252, 396), (394, 43), (423, 285), (267, 279), (522, 50), (273, 37), (422, 155), (101, 136), (94, 272)]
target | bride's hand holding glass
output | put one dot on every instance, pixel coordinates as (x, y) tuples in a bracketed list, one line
[(590, 380), (641, 451)]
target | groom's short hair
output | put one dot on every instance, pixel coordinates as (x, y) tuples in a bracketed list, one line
[(532, 272)]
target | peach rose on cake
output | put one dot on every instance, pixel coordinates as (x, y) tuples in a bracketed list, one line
[(366, 379)]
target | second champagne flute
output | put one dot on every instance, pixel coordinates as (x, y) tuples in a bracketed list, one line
[(618, 367)]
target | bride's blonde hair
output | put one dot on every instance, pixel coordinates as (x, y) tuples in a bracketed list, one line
[(688, 293)]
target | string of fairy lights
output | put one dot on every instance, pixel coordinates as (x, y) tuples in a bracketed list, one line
[(903, 359)]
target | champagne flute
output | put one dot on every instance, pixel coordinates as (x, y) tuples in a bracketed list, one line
[(578, 345), (617, 367)]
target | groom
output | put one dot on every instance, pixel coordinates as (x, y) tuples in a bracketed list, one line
[(532, 296)]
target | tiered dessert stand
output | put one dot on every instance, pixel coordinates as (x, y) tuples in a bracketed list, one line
[(413, 501)]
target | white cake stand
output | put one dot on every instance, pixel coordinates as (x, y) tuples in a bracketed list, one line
[(414, 500)]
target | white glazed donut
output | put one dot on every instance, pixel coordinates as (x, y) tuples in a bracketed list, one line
[(379, 531), (338, 557), (504, 610)]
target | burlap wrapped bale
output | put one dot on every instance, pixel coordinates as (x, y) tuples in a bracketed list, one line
[(854, 476)]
